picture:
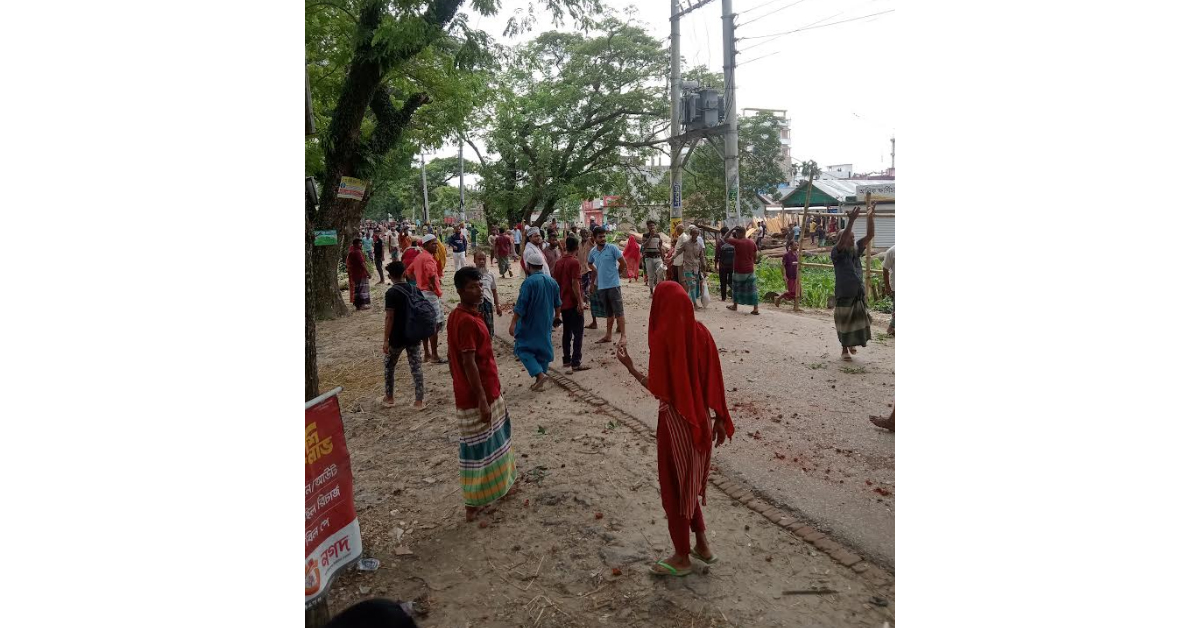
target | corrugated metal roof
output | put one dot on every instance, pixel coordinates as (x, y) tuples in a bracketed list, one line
[(837, 188)]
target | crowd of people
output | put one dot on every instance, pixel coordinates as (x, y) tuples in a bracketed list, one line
[(568, 272)]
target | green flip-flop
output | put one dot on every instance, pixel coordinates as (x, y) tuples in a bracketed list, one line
[(710, 561), (673, 571)]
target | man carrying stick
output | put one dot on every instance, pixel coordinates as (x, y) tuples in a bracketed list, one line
[(850, 315)]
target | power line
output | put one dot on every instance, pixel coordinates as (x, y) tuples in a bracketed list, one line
[(763, 5), (772, 12), (757, 58), (813, 26)]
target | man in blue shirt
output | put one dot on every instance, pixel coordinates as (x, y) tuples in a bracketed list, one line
[(535, 316), (458, 245), (607, 266)]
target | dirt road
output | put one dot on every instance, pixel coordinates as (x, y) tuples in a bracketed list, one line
[(587, 505), (800, 411)]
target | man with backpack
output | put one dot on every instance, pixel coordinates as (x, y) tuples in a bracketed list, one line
[(427, 274), (725, 254), (409, 319)]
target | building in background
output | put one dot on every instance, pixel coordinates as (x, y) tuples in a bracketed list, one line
[(838, 171)]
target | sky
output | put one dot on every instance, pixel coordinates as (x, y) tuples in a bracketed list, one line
[(837, 81)]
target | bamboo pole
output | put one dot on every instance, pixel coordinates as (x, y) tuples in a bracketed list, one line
[(800, 245), (867, 274), (800, 252)]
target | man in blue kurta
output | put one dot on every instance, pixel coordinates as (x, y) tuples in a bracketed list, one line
[(535, 316)]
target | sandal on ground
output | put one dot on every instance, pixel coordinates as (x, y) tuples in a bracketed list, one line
[(712, 560), (670, 571)]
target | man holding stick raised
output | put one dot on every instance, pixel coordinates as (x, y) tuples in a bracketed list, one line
[(850, 316)]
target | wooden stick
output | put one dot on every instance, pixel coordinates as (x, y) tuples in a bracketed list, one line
[(809, 592), (867, 275), (800, 250)]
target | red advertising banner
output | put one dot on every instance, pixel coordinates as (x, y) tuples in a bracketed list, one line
[(331, 535)]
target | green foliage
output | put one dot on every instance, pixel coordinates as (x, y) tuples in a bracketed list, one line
[(816, 284), (854, 370), (563, 111)]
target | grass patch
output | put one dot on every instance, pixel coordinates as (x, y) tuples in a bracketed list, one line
[(854, 370), (816, 284), (816, 365)]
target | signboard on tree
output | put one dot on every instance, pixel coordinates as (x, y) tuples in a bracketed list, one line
[(327, 237), (352, 188), (332, 540)]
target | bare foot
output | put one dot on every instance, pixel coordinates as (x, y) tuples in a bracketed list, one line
[(888, 424), (594, 325), (541, 381), (419, 404), (732, 308), (604, 340), (853, 351), (386, 402)]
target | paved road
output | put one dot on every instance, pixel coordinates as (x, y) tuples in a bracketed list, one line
[(802, 438)]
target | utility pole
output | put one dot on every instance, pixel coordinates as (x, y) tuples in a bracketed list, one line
[(733, 194), (676, 148), (893, 154), (424, 189), (462, 192)]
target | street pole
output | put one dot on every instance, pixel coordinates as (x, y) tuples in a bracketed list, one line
[(462, 192), (676, 148), (424, 190), (733, 194)]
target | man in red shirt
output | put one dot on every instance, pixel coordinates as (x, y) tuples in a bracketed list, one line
[(567, 273), (424, 271), (502, 250), (410, 254), (745, 282), (487, 467)]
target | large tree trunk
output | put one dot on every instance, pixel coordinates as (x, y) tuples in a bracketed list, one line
[(547, 210)]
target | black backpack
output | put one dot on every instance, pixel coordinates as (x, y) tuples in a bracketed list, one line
[(727, 253), (420, 318)]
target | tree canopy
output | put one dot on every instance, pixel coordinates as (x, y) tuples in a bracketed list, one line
[(569, 114)]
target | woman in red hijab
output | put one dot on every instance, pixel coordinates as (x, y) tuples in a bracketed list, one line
[(633, 258), (685, 376), (360, 276)]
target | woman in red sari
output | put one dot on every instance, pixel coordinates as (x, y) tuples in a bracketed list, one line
[(633, 258), (685, 376), (360, 276)]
